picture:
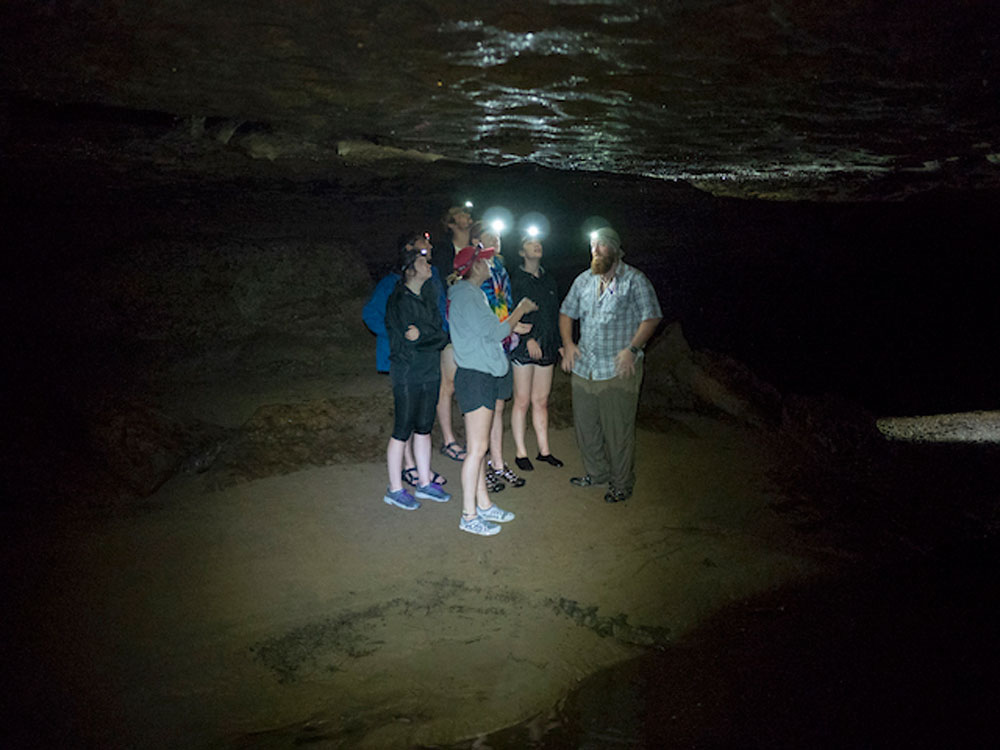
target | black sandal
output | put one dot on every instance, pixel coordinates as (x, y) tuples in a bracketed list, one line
[(524, 463), (412, 478), (549, 459), (454, 451)]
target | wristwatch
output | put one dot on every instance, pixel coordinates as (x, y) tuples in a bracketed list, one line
[(635, 350)]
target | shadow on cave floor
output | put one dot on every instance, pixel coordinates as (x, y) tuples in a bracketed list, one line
[(901, 656), (896, 649)]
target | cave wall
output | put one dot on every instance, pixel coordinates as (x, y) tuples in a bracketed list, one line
[(889, 304)]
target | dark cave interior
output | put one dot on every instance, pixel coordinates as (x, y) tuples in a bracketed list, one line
[(888, 304), (194, 214)]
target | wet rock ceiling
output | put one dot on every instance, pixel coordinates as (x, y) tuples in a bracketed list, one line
[(810, 99)]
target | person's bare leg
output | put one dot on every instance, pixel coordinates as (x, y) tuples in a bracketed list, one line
[(394, 462), (540, 388), (496, 436), (519, 412), (482, 494), (477, 435), (422, 453), (409, 461), (445, 394)]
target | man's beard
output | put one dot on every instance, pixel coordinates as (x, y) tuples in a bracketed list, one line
[(601, 264)]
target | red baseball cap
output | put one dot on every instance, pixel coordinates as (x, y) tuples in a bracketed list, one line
[(469, 255)]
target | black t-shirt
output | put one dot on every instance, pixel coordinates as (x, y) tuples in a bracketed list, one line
[(443, 260), (544, 320)]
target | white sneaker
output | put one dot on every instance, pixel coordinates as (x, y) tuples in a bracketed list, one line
[(495, 513), (478, 526)]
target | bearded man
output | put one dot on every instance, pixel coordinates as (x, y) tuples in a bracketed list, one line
[(618, 312)]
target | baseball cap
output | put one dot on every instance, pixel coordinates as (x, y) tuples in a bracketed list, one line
[(469, 255)]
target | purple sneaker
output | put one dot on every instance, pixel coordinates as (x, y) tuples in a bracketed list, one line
[(433, 492), (401, 499)]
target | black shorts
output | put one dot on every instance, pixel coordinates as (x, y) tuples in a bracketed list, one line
[(524, 359), (416, 404), (475, 389)]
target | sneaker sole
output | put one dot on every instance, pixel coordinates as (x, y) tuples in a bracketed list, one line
[(424, 496), (389, 501), (491, 532)]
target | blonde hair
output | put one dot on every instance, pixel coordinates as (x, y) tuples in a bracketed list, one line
[(476, 232)]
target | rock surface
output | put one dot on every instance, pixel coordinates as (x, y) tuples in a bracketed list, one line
[(771, 98)]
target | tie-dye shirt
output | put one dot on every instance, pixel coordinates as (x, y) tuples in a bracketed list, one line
[(497, 288)]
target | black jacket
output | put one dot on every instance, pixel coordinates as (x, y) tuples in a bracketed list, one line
[(414, 361)]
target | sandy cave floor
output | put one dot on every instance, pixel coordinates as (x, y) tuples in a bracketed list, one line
[(301, 608)]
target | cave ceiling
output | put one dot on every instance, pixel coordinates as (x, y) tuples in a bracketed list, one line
[(777, 98)]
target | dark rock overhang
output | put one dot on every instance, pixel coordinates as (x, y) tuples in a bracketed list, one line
[(773, 99)]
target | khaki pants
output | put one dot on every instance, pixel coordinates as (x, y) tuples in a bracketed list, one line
[(604, 416)]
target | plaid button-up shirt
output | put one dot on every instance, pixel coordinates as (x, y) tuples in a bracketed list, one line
[(608, 319)]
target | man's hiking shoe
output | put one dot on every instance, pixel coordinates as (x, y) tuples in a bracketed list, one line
[(617, 496)]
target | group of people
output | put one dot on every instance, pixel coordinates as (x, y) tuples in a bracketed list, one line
[(447, 325)]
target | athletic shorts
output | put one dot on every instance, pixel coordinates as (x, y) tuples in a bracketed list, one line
[(526, 360), (474, 389), (416, 405)]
